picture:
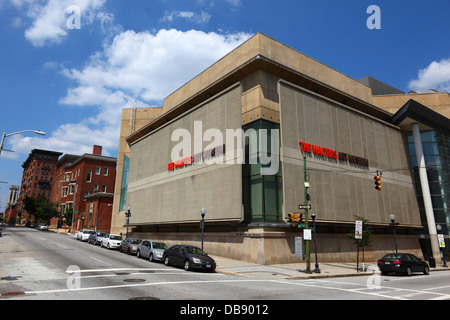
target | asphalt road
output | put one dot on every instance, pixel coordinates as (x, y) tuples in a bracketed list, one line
[(39, 265)]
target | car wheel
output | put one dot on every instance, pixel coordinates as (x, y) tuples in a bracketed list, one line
[(150, 257), (187, 266), (408, 271), (166, 261), (426, 270), (138, 254), (108, 247)]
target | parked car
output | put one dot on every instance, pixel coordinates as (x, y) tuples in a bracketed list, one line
[(30, 224), (42, 226), (129, 245), (96, 237), (84, 234), (152, 250), (111, 241), (405, 263), (189, 257)]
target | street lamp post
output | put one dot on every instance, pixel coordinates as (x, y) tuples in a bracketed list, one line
[(11, 134), (394, 225), (203, 212), (316, 270), (128, 215), (439, 228)]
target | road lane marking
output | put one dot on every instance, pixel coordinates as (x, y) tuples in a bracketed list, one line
[(98, 260), (115, 269), (141, 285)]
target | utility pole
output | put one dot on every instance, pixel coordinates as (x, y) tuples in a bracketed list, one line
[(306, 186)]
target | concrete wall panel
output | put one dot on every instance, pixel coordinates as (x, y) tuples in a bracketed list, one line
[(339, 189)]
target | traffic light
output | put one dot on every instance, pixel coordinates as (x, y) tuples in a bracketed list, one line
[(295, 217), (377, 182)]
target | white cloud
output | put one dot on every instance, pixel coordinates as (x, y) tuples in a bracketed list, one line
[(140, 68), (435, 76), (148, 66), (49, 18), (198, 18)]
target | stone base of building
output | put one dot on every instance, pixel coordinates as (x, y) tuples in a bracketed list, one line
[(273, 247)]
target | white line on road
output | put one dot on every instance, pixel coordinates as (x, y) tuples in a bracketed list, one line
[(98, 260), (141, 285), (115, 269)]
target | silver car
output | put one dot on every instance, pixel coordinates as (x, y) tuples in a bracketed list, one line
[(96, 237), (129, 245), (42, 226), (152, 250)]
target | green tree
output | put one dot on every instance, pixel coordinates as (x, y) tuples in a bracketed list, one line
[(42, 210), (366, 240), (67, 216)]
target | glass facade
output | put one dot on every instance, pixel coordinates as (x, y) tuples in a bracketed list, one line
[(436, 149), (262, 194), (124, 185)]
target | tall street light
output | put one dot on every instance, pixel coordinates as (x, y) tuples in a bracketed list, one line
[(439, 228), (316, 270), (393, 225), (203, 212), (11, 134), (128, 215)]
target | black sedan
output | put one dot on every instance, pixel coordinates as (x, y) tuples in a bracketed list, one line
[(188, 257), (405, 263)]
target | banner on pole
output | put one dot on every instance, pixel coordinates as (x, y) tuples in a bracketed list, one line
[(441, 240), (358, 229)]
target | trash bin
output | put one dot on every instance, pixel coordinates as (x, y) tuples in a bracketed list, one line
[(432, 262)]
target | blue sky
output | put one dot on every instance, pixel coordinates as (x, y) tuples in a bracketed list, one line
[(72, 82)]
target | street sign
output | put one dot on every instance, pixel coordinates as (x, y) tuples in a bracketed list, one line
[(441, 240), (307, 234), (358, 229), (304, 206)]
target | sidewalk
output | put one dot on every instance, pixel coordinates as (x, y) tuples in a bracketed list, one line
[(291, 270), (297, 270)]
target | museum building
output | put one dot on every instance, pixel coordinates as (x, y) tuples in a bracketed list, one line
[(238, 142)]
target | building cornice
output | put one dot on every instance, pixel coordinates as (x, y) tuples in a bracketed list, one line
[(260, 62)]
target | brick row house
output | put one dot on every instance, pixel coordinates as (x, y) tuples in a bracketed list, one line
[(85, 184), (37, 179)]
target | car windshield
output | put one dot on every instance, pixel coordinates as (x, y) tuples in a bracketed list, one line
[(101, 234), (135, 241), (392, 256), (160, 245), (113, 237), (195, 250)]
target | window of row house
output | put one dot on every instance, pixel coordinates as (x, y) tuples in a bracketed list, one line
[(98, 170)]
